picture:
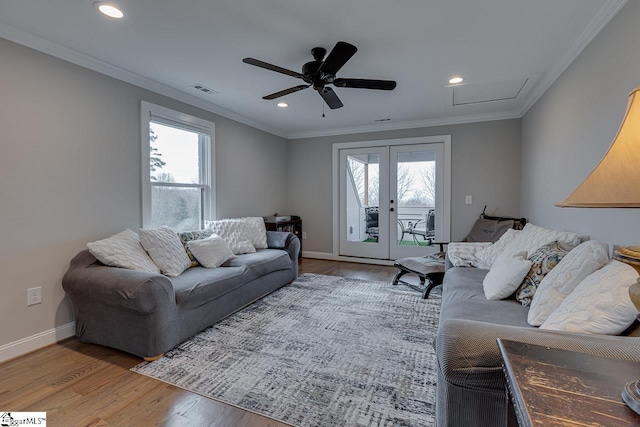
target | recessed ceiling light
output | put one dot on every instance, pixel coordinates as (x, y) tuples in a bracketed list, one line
[(455, 80), (282, 104), (109, 9)]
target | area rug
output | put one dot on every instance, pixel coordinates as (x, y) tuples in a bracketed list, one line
[(322, 351)]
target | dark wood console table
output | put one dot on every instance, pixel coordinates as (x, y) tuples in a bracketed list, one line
[(290, 223), (552, 387)]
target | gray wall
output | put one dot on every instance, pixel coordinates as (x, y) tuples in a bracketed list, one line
[(70, 164), (485, 164), (570, 128), (70, 173)]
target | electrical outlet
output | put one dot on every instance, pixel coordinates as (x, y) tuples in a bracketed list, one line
[(304, 235), (34, 295)]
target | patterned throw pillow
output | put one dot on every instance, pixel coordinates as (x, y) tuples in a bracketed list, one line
[(188, 236), (544, 259)]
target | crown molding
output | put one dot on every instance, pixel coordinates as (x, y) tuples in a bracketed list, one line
[(57, 50), (444, 121), (608, 10)]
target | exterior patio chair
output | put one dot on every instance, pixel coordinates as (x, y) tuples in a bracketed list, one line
[(371, 219), (423, 228)]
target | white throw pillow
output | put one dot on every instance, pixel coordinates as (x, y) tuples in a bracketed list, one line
[(235, 232), (123, 250), (165, 249), (600, 304), (563, 279), (489, 255), (257, 231), (212, 251), (532, 237), (505, 275)]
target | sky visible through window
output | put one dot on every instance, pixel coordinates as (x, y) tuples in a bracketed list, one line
[(180, 152), (415, 183)]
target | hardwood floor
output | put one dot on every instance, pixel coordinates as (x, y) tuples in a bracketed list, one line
[(80, 384)]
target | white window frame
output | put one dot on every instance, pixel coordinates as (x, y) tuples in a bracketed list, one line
[(156, 113)]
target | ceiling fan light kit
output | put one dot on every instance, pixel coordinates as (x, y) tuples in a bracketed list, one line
[(322, 72)]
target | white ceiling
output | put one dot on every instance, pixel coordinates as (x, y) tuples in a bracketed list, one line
[(508, 51)]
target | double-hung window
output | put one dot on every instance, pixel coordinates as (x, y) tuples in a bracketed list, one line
[(177, 169)]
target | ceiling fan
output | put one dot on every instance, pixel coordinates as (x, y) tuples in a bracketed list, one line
[(321, 72)]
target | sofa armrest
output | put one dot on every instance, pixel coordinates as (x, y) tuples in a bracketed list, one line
[(286, 241), (88, 281), (466, 347)]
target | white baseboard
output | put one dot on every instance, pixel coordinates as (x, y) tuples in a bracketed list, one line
[(332, 257), (34, 342)]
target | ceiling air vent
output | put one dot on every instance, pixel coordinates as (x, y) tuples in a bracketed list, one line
[(204, 89)]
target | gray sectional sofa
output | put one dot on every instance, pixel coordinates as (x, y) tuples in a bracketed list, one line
[(147, 314), (471, 389)]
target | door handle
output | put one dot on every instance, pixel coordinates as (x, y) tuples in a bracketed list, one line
[(391, 210), (390, 201)]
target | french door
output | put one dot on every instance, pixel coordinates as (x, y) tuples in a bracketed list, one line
[(393, 200), (364, 204)]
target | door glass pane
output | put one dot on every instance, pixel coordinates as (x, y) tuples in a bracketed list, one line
[(416, 190), (362, 197)]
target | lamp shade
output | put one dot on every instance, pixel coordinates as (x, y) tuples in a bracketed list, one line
[(615, 182)]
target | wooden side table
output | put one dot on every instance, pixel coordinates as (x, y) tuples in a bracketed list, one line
[(552, 387)]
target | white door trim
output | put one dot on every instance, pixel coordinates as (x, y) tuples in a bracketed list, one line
[(446, 139)]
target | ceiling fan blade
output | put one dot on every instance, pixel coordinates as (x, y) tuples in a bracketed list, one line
[(271, 67), (330, 98), (339, 56), (285, 92), (365, 84)]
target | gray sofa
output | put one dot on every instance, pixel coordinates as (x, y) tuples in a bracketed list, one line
[(471, 388), (147, 314)]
